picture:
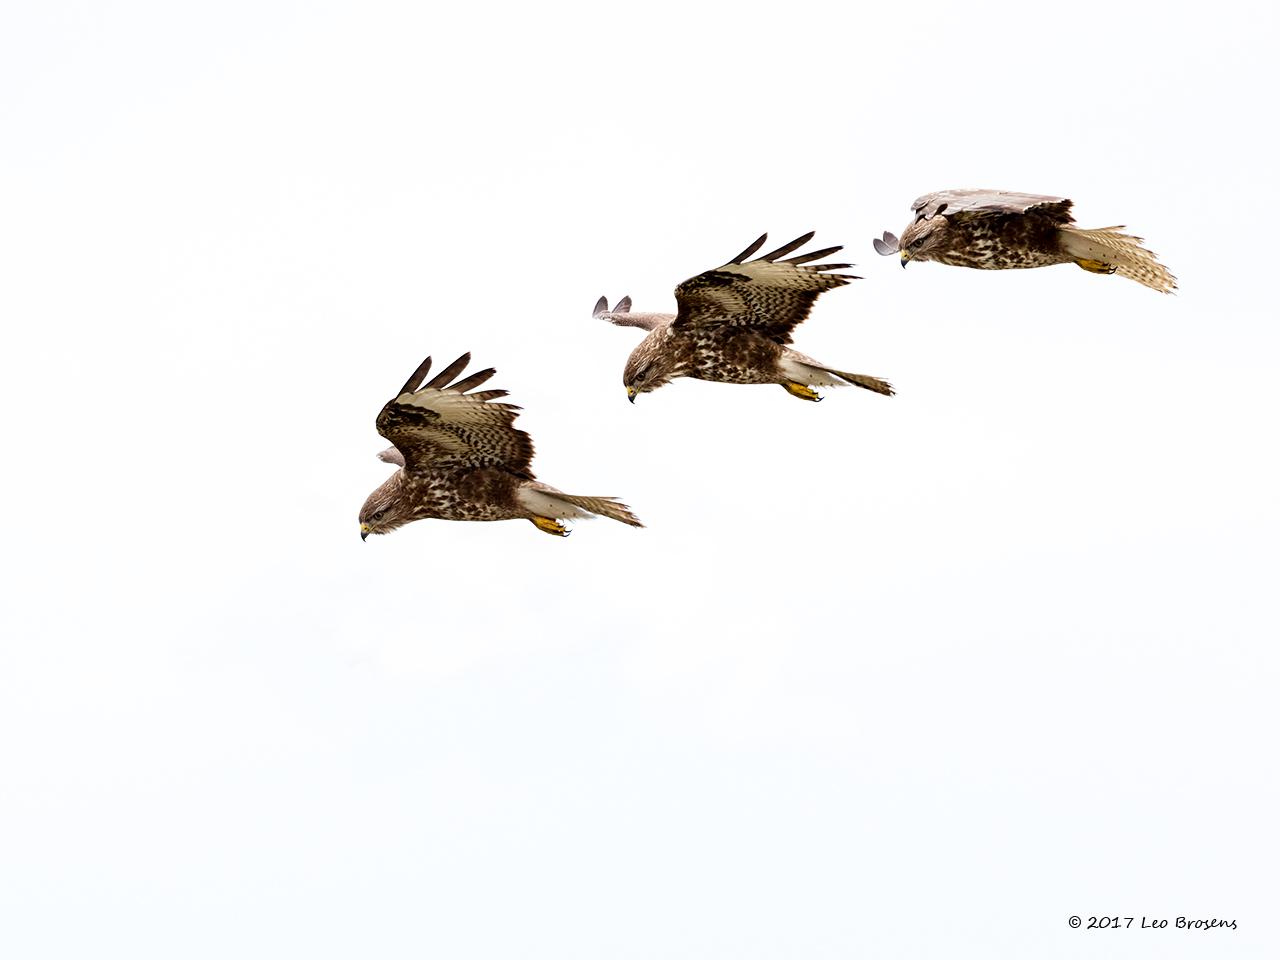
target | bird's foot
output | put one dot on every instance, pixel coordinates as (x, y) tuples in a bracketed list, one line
[(1096, 266), (801, 391), (547, 525)]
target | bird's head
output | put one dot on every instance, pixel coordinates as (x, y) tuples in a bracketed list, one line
[(648, 368), (386, 509), (922, 238)]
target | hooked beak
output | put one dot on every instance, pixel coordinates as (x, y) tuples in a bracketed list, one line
[(364, 531), (905, 257), (632, 392)]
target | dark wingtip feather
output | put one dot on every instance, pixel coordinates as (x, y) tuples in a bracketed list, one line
[(416, 378), (788, 247), (623, 305), (814, 255), (477, 378), (602, 306), (441, 379), (751, 249)]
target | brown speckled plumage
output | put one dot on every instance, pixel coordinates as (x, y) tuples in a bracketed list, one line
[(734, 325), (462, 458), (1000, 230)]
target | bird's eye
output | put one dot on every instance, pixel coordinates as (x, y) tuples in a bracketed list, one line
[(916, 244), (378, 516)]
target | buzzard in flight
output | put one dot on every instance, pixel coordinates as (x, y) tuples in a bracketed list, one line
[(997, 230), (461, 458), (733, 324)]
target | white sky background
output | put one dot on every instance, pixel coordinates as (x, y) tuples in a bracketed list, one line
[(907, 677)]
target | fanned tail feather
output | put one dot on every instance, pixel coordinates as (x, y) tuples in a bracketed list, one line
[(604, 507), (797, 368), (1122, 251), (547, 501), (874, 384)]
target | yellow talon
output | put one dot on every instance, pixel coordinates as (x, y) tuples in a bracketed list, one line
[(801, 391), (1096, 266), (547, 525)]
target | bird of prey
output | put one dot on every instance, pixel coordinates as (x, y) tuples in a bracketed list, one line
[(461, 458), (998, 230), (733, 324)]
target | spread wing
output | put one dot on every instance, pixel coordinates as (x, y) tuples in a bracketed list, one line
[(440, 426), (622, 316), (982, 202), (888, 246), (769, 295)]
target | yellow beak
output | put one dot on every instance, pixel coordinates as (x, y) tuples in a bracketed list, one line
[(905, 257), (632, 393), (364, 531)]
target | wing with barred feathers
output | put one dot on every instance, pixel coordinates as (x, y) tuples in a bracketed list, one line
[(969, 203), (441, 426), (769, 295)]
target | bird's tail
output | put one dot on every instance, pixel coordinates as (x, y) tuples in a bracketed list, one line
[(805, 371), (1108, 250), (546, 501), (874, 384)]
